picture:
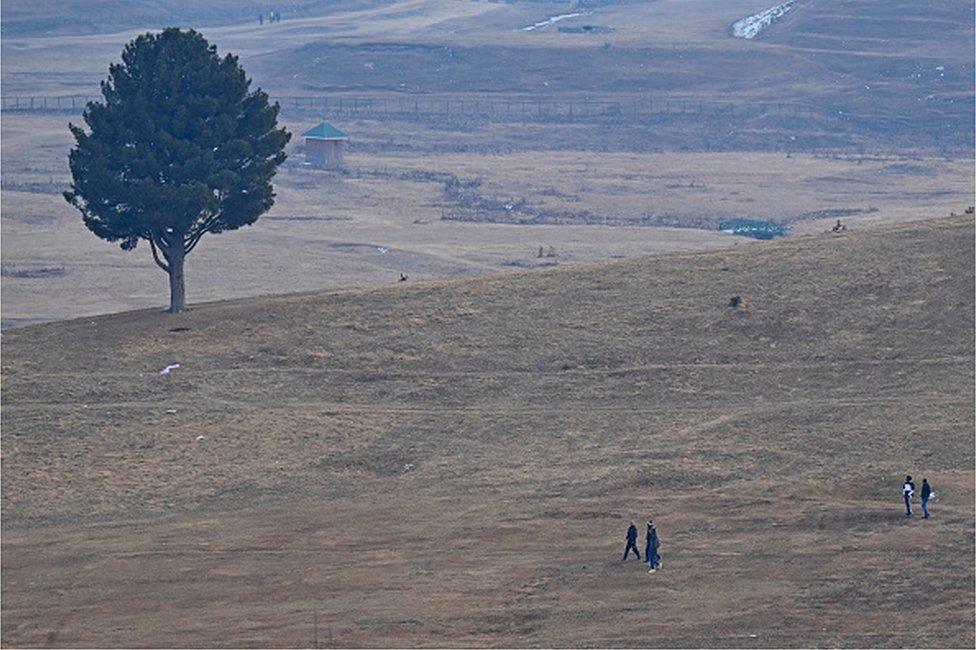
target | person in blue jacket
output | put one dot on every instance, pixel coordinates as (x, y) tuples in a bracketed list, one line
[(631, 541), (651, 555), (925, 494)]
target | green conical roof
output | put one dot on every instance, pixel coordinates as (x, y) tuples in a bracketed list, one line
[(325, 131)]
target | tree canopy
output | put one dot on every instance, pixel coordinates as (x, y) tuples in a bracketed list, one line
[(178, 148)]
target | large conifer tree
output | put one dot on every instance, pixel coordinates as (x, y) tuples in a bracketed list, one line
[(179, 147)]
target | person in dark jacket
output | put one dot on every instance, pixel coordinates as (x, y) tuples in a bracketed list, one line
[(908, 491), (651, 548), (926, 494), (631, 541)]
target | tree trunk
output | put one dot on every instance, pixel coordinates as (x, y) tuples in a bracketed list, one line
[(177, 288)]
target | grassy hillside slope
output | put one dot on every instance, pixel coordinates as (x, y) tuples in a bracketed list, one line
[(454, 463)]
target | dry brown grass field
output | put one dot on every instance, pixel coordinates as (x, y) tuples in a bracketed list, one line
[(345, 460), (454, 462)]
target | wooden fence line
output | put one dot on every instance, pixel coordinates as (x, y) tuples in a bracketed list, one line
[(490, 108)]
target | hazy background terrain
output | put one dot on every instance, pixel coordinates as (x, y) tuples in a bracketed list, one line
[(462, 123)]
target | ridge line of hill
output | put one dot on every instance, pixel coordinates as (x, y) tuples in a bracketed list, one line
[(739, 246)]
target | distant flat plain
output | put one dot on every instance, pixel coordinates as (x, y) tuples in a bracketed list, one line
[(326, 227)]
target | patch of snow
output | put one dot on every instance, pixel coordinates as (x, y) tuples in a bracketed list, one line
[(752, 26), (552, 20)]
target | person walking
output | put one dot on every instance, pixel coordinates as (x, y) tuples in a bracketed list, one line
[(908, 491), (925, 494), (651, 548), (631, 541)]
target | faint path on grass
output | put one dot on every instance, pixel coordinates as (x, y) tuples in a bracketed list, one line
[(487, 410)]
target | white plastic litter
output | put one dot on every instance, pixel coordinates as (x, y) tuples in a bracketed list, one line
[(751, 26), (408, 467), (551, 20), (170, 411), (170, 368), (382, 250), (199, 438)]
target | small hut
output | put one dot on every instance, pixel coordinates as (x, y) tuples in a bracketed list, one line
[(324, 144)]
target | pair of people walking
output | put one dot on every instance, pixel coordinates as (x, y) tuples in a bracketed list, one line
[(908, 491), (651, 546)]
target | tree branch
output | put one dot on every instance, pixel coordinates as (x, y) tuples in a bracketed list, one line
[(194, 239), (159, 262), (192, 242)]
